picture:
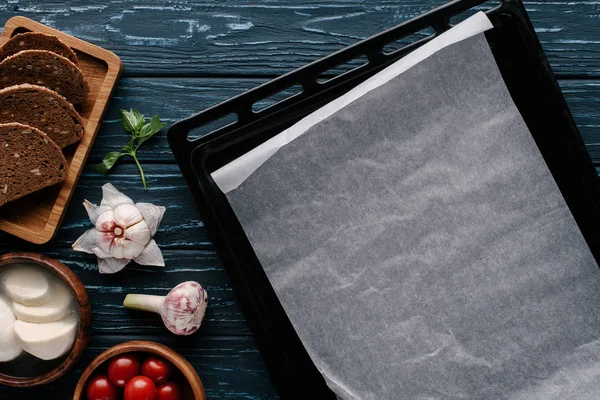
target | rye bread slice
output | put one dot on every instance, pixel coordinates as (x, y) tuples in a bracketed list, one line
[(43, 109), (45, 68), (37, 41), (29, 161)]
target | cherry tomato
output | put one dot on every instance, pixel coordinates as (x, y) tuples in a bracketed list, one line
[(101, 388), (168, 391), (157, 369), (140, 388), (122, 368)]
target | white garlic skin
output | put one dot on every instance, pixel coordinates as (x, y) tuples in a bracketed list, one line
[(184, 308), (123, 231)]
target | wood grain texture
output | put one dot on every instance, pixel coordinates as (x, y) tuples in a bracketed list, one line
[(230, 368), (181, 227), (177, 98), (170, 51), (106, 292), (270, 37), (189, 382), (37, 217)]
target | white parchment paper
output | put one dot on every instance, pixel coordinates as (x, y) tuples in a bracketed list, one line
[(421, 248), (233, 174)]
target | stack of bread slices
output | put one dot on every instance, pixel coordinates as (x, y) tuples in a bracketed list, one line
[(40, 86)]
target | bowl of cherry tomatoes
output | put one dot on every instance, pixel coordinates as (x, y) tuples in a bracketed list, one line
[(139, 370)]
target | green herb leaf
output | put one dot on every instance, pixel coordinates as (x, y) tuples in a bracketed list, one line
[(108, 162), (134, 122), (139, 119), (129, 121), (156, 124), (146, 130), (150, 129)]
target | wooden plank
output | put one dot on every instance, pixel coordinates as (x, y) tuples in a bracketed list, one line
[(176, 98), (106, 292), (583, 98), (37, 220), (181, 227), (271, 37), (230, 368), (172, 99)]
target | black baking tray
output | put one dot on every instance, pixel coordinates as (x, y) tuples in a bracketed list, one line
[(532, 86)]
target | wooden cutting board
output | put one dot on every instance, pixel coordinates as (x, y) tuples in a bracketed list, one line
[(37, 217)]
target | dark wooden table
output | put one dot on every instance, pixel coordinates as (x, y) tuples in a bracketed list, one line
[(181, 57)]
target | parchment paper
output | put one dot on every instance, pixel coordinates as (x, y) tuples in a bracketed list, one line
[(231, 175), (421, 248)]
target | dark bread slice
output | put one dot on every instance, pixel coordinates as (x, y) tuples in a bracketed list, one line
[(37, 41), (29, 161), (44, 68), (41, 108)]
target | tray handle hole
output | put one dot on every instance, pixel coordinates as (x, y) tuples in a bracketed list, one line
[(277, 98), (422, 35), (343, 68), (487, 6), (213, 126)]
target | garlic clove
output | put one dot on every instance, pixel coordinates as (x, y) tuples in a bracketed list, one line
[(117, 248), (139, 233), (123, 248), (94, 211), (132, 249), (112, 197), (151, 256), (152, 215), (106, 221), (104, 240), (127, 215), (111, 265)]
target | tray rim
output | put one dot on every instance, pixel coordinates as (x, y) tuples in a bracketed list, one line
[(92, 126)]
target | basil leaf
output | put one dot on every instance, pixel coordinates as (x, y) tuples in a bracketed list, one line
[(145, 133), (139, 119), (156, 124), (129, 121), (134, 123), (108, 162)]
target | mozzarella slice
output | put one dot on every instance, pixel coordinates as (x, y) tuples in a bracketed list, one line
[(55, 309), (27, 284), (47, 341), (9, 347)]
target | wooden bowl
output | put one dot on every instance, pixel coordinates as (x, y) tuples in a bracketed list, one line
[(191, 385), (85, 316)]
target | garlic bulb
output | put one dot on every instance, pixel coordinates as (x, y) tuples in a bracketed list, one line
[(181, 310), (123, 232)]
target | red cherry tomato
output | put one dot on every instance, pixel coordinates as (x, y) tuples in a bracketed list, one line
[(157, 369), (101, 388), (168, 391), (122, 368), (140, 388)]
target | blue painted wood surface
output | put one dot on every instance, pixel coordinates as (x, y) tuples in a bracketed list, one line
[(183, 56)]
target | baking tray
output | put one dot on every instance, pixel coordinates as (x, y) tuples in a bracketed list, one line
[(37, 217), (530, 81)]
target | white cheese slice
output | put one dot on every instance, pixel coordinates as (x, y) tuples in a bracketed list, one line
[(9, 347), (27, 284), (55, 309), (47, 341)]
